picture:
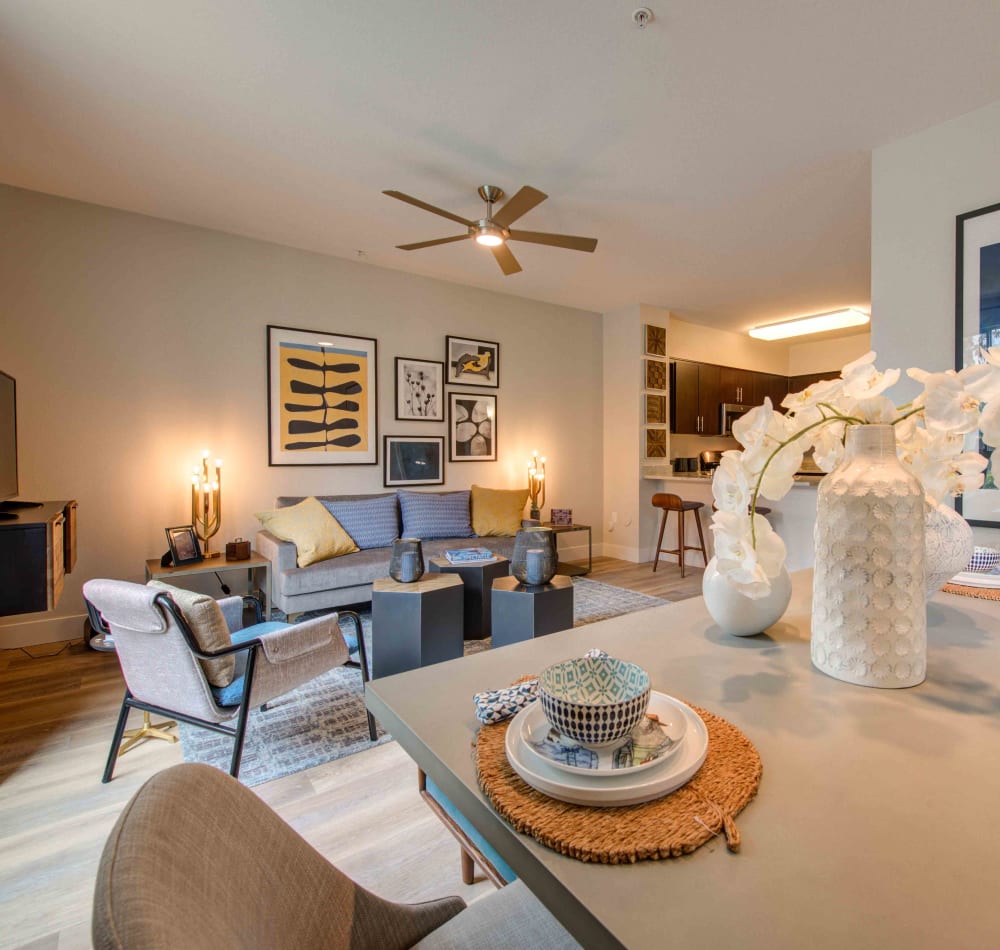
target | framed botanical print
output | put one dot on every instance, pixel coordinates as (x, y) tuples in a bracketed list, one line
[(472, 362), (322, 398), (419, 389), (977, 328), (472, 427), (413, 460)]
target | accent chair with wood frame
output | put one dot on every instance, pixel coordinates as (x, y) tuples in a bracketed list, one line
[(160, 660)]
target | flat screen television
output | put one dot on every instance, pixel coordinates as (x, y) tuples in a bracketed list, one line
[(8, 436)]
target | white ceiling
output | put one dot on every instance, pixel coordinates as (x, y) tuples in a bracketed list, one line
[(721, 156)]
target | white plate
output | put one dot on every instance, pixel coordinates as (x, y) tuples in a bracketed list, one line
[(673, 722), (976, 579), (610, 790)]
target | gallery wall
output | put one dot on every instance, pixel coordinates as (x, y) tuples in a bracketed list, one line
[(138, 342)]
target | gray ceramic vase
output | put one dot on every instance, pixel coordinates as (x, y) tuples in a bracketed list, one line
[(535, 557), (407, 562)]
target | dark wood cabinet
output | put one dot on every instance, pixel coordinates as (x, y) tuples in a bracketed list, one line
[(736, 385), (769, 385), (36, 552), (695, 397)]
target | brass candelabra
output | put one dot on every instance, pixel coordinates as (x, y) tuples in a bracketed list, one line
[(536, 483), (206, 502)]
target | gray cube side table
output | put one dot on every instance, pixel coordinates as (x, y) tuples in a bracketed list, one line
[(415, 624), (478, 577), (521, 612)]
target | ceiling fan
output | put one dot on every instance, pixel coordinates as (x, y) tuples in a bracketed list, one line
[(494, 231)]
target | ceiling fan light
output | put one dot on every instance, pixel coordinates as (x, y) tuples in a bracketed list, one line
[(489, 236), (818, 323)]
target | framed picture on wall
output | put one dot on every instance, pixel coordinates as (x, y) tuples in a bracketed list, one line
[(413, 460), (977, 328), (472, 362), (472, 427), (655, 340), (419, 389), (322, 398)]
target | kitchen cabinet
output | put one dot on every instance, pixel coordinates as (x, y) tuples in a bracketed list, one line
[(768, 385), (736, 385), (695, 398), (37, 550)]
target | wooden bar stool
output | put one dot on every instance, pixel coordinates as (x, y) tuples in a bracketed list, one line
[(669, 503)]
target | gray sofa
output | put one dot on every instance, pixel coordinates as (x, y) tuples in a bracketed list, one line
[(343, 580)]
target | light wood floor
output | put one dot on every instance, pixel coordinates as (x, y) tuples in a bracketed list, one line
[(57, 711)]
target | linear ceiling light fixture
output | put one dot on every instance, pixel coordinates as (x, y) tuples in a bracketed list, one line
[(818, 323)]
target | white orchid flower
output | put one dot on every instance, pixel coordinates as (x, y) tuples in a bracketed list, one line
[(746, 567), (750, 429), (862, 380), (825, 390), (731, 483), (948, 405), (989, 423)]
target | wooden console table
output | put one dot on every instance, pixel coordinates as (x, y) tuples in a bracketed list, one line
[(37, 550), (256, 562)]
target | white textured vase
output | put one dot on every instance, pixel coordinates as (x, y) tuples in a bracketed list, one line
[(948, 544), (869, 611), (738, 614)]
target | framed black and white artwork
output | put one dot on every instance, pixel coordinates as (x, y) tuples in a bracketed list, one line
[(472, 427), (977, 328), (419, 389)]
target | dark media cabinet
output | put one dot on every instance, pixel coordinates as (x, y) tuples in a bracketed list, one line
[(37, 550)]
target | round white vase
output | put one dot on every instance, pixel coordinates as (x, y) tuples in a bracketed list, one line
[(738, 614), (869, 610), (948, 543)]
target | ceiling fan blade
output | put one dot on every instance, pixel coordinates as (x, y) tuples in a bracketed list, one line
[(508, 263), (416, 247), (569, 241), (526, 199), (416, 202)]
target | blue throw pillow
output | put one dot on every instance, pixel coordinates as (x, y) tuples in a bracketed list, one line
[(428, 515), (371, 522)]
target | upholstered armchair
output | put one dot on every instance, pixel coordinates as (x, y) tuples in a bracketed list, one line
[(198, 861), (169, 671)]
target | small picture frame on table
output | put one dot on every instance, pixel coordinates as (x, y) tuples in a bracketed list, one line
[(413, 460), (183, 544)]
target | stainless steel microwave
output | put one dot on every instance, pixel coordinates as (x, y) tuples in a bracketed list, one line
[(729, 414)]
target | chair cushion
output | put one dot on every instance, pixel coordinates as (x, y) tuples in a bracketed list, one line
[(512, 917), (232, 694), (207, 623), (371, 522), (435, 514), (496, 512), (316, 534)]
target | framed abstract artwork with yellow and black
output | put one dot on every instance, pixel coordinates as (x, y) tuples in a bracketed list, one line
[(322, 398)]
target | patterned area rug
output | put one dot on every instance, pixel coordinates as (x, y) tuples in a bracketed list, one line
[(325, 719)]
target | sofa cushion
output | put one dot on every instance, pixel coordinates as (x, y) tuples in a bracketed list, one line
[(316, 534), (371, 522), (204, 616), (496, 512), (429, 515)]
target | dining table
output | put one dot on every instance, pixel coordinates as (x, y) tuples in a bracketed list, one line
[(875, 821)]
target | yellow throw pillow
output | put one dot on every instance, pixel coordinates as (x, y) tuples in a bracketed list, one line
[(497, 512), (316, 534), (204, 616)]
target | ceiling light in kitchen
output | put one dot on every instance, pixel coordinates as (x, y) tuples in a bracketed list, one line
[(817, 323)]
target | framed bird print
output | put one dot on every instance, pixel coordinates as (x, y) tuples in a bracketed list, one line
[(472, 362), (322, 398)]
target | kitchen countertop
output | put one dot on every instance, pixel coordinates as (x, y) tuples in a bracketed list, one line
[(801, 481)]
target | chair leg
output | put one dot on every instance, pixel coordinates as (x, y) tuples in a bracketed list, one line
[(701, 537), (243, 715), (117, 739), (680, 539), (148, 730), (468, 868), (363, 657), (659, 540)]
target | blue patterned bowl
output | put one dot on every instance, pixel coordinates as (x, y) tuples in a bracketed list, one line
[(984, 559), (596, 701)]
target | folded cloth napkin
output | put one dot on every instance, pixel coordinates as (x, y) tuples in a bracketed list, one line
[(496, 705)]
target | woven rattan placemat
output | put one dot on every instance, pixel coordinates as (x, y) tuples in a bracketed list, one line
[(665, 828), (982, 593)]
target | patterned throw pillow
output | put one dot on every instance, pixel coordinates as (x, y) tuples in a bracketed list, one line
[(204, 617), (429, 515), (372, 522), (316, 534), (497, 512)]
